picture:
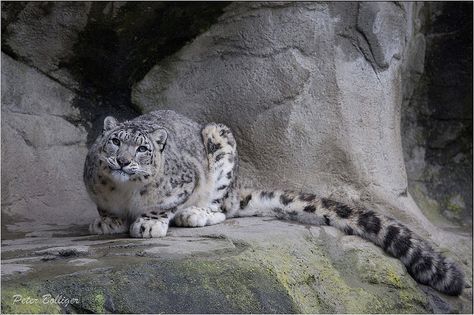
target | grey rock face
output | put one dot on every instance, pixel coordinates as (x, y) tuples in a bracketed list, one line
[(42, 151), (43, 34), (383, 26), (437, 117), (99, 49), (315, 102)]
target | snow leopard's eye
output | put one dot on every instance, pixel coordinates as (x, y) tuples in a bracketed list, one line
[(142, 148), (116, 141)]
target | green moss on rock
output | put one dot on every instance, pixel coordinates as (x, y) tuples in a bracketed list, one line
[(321, 280), (455, 206), (430, 207), (192, 285), (26, 300), (94, 302)]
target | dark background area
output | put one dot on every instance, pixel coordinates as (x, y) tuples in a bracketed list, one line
[(440, 111), (116, 49)]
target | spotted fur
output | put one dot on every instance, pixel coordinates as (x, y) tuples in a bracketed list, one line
[(423, 263), (162, 167), (159, 167)]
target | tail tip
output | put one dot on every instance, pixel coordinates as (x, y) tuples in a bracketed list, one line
[(454, 283)]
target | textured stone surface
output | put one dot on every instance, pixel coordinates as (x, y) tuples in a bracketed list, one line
[(291, 95), (239, 268), (44, 34), (99, 49), (437, 117), (42, 151), (315, 103)]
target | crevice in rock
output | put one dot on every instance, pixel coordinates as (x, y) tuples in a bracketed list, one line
[(437, 118), (113, 54), (366, 47), (119, 44)]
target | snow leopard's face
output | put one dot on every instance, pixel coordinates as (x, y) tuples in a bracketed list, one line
[(131, 153)]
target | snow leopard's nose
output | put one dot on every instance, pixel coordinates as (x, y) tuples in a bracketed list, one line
[(123, 161)]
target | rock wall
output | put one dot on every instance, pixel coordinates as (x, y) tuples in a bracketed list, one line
[(437, 116), (42, 151), (65, 66), (315, 102), (99, 49)]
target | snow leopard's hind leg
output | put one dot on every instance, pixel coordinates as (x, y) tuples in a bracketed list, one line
[(222, 162)]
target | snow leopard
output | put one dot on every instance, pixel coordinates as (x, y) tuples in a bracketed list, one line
[(163, 167)]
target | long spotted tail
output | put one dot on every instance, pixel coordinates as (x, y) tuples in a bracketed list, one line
[(423, 263)]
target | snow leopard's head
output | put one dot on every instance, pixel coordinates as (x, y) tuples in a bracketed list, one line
[(131, 151)]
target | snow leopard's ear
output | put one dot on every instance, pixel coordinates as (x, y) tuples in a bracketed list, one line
[(109, 123), (159, 136)]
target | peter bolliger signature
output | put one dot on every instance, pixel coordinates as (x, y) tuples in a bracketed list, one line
[(45, 299)]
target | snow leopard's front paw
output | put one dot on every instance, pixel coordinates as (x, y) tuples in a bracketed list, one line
[(197, 216), (108, 225), (145, 227)]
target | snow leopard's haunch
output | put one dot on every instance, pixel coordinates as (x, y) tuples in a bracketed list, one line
[(162, 167)]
